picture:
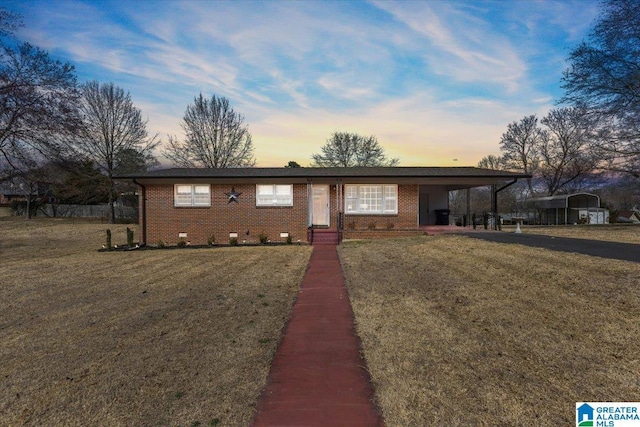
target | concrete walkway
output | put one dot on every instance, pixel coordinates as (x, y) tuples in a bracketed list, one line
[(318, 377)]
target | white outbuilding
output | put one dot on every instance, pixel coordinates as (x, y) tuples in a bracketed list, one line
[(577, 208)]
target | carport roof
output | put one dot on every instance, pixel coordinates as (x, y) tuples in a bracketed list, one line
[(563, 201), (331, 172), (453, 178)]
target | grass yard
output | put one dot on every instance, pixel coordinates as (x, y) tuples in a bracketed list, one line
[(459, 332), (175, 337), (627, 233)]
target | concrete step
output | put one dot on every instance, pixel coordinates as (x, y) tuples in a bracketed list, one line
[(325, 237)]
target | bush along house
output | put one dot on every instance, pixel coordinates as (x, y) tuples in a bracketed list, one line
[(298, 204)]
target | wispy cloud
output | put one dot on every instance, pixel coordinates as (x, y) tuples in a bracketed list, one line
[(462, 46), (432, 80)]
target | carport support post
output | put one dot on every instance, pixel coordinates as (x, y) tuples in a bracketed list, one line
[(494, 206), (495, 195), (468, 203)]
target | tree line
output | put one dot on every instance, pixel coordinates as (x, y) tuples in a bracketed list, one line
[(597, 124), (53, 128), (73, 137), (77, 137)]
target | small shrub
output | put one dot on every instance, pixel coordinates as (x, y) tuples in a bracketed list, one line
[(352, 225), (263, 238), (129, 237), (182, 243), (108, 245), (211, 240), (390, 225), (233, 241), (289, 239), (371, 225), (161, 243)]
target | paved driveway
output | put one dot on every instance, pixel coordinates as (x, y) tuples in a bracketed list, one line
[(612, 250)]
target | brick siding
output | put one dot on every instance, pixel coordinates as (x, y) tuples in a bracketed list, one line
[(164, 221), (407, 217)]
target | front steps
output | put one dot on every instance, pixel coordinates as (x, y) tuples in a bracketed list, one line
[(325, 237)]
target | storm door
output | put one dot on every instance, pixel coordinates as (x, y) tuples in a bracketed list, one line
[(320, 205)]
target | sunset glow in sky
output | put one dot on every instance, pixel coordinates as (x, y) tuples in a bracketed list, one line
[(433, 81)]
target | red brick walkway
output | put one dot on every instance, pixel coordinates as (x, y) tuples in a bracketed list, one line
[(318, 377)]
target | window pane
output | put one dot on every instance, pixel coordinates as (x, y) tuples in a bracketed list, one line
[(201, 195), (202, 190), (183, 189), (351, 198), (264, 195), (371, 198), (265, 190), (351, 191), (283, 190), (390, 198), (274, 195)]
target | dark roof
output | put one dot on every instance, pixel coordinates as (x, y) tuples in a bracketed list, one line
[(560, 201), (333, 172)]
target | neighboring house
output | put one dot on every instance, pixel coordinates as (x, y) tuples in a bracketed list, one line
[(577, 208), (18, 189), (301, 203)]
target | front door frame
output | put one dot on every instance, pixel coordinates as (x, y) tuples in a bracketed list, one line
[(322, 222)]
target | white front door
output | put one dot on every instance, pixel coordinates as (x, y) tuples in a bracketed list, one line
[(320, 205)]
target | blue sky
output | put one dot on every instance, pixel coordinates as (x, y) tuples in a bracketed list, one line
[(434, 81)]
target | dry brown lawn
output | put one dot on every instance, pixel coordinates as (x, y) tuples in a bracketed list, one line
[(177, 337), (626, 233), (459, 332)]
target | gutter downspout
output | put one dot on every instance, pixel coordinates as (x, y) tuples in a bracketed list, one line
[(495, 201), (309, 211), (142, 212)]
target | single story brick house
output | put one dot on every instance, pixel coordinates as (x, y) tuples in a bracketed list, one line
[(299, 203)]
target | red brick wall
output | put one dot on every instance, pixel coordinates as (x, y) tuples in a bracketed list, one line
[(407, 217), (164, 221)]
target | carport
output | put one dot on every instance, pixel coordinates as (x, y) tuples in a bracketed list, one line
[(568, 209)]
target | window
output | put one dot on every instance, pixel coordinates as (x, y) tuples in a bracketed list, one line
[(274, 195), (371, 199), (192, 195)]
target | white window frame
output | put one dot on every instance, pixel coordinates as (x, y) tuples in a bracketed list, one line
[(276, 197), (358, 199), (194, 197)]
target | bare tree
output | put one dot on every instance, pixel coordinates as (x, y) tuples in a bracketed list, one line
[(567, 153), (492, 162), (520, 146), (216, 137), (604, 75), (38, 99), (112, 126), (344, 149), (9, 22)]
